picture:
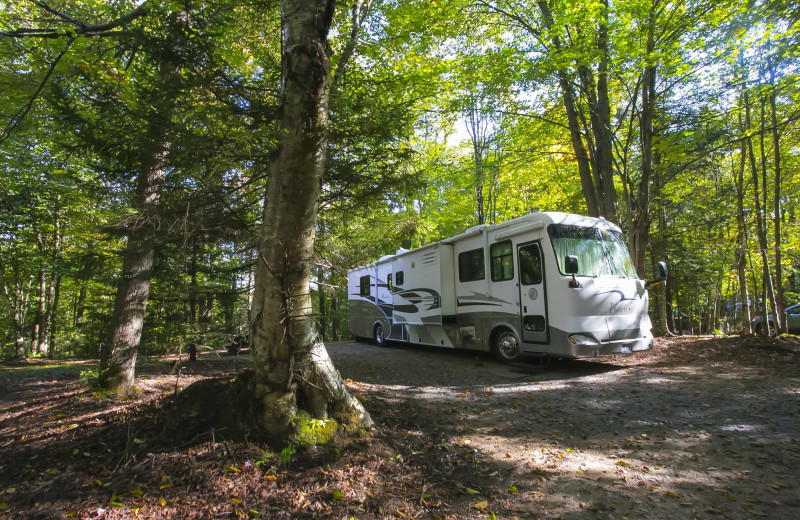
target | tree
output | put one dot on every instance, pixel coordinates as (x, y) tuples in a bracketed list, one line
[(293, 371)]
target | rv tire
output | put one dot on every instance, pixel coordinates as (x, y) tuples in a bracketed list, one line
[(505, 346), (378, 335)]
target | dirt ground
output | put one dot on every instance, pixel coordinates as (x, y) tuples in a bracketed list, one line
[(696, 428)]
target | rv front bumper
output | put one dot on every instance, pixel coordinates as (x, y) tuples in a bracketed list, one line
[(626, 346), (585, 347)]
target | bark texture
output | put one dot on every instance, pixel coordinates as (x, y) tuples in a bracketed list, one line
[(293, 372), (119, 361)]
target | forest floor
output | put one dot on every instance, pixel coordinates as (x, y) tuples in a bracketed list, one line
[(696, 428)]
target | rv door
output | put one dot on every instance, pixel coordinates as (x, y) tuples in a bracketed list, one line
[(532, 299)]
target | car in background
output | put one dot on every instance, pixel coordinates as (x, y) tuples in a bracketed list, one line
[(792, 320)]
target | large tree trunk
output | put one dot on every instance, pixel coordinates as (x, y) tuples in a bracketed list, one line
[(293, 370), (119, 361)]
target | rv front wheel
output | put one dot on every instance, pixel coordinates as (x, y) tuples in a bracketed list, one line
[(506, 346), (378, 334)]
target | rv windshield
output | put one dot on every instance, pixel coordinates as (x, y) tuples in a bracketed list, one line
[(600, 252)]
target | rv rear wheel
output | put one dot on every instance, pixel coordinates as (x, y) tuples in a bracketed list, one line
[(506, 346), (378, 334)]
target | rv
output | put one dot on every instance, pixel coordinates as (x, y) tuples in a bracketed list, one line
[(547, 284)]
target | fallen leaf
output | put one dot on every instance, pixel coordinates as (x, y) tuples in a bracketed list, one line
[(271, 478), (337, 495), (232, 469), (254, 514), (472, 491), (236, 500), (166, 486), (513, 490), (483, 504), (162, 502), (673, 495), (622, 463)]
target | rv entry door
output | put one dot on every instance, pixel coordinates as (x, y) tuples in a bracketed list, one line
[(532, 299)]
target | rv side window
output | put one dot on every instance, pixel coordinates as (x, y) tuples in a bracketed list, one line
[(501, 261), (471, 266), (530, 265), (365, 287), (398, 278), (389, 281)]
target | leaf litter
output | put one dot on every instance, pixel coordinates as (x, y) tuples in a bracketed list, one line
[(695, 427)]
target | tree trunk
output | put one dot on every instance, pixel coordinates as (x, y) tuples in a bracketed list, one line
[(193, 290), (776, 210), (53, 313), (641, 228), (323, 310), (38, 320), (16, 296), (573, 120), (769, 281), (334, 318), (602, 124), (741, 243), (760, 222), (118, 362), (293, 370), (660, 247)]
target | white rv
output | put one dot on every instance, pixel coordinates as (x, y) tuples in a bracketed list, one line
[(549, 284)]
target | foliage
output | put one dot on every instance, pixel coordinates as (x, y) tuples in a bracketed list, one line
[(402, 166)]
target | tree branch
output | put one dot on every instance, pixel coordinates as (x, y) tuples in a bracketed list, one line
[(19, 116), (80, 28)]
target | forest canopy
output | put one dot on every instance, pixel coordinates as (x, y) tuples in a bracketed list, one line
[(130, 127)]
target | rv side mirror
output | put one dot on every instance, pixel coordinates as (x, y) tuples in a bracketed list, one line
[(662, 275), (570, 264), (571, 267), (662, 270)]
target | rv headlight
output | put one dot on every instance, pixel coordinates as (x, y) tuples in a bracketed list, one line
[(582, 339)]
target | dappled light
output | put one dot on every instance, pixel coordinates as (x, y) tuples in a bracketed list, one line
[(654, 435)]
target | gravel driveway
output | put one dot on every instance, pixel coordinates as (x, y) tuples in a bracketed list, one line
[(697, 428)]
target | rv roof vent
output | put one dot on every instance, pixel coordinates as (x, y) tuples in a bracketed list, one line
[(402, 250)]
